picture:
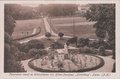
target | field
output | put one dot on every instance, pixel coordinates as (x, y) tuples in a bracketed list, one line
[(26, 27), (82, 27)]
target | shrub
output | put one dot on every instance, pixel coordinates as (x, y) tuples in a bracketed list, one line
[(22, 47), (21, 56), (37, 44), (48, 35), (11, 56), (42, 52), (36, 53), (7, 38), (87, 50), (102, 50), (9, 24), (73, 51), (60, 34), (83, 42), (93, 44), (72, 40), (32, 53), (97, 44), (56, 45), (114, 68), (7, 50)]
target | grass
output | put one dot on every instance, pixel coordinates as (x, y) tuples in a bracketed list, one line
[(25, 27), (83, 28), (62, 20)]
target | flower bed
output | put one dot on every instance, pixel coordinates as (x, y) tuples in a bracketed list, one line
[(74, 62)]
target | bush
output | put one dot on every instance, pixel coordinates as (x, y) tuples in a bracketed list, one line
[(114, 68), (83, 42), (11, 63), (22, 56), (10, 50), (73, 51), (72, 40), (48, 35), (56, 45), (97, 44), (102, 50), (9, 24), (36, 53), (37, 44), (7, 38), (60, 34), (32, 53), (87, 50)]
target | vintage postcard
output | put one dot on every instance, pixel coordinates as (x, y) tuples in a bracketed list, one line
[(60, 39)]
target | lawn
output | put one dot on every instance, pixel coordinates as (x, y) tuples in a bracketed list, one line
[(25, 27), (83, 28)]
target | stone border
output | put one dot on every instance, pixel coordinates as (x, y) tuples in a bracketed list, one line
[(30, 64)]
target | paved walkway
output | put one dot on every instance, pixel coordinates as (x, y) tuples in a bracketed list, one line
[(34, 31), (48, 28), (108, 66)]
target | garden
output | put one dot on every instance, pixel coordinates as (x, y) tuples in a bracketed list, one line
[(64, 44), (49, 54)]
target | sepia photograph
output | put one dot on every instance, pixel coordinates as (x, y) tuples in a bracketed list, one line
[(59, 37)]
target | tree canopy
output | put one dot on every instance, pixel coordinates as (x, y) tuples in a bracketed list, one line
[(57, 9), (104, 15)]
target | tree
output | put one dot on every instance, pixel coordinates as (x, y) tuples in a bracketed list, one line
[(8, 38), (48, 35), (9, 24), (60, 34), (10, 50), (104, 15), (19, 12), (57, 9), (10, 56)]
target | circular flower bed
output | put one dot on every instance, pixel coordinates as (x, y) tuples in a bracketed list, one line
[(58, 61)]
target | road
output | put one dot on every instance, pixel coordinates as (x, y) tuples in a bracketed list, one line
[(47, 29), (34, 31)]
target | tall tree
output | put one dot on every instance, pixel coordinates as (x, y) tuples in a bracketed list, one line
[(10, 50), (104, 15)]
